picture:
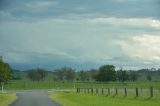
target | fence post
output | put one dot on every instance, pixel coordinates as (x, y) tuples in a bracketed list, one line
[(125, 91), (102, 91), (137, 92), (92, 90), (108, 91), (77, 90), (151, 92), (116, 91), (96, 90), (88, 90)]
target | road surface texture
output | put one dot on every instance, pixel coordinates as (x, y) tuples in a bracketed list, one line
[(34, 98)]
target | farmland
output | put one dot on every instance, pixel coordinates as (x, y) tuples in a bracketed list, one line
[(27, 84), (74, 99), (105, 86), (95, 99)]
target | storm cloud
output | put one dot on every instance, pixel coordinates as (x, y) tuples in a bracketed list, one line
[(82, 34)]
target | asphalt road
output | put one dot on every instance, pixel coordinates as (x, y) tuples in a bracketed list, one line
[(34, 98)]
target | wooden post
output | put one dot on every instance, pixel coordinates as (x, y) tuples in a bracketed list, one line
[(116, 91), (88, 90), (96, 90), (137, 92), (92, 90), (125, 91), (108, 91), (77, 90), (151, 92), (102, 91)]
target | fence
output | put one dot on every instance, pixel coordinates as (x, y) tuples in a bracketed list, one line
[(136, 92)]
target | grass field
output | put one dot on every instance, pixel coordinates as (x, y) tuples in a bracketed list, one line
[(7, 98), (74, 99), (21, 84)]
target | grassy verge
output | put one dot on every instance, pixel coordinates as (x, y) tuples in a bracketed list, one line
[(7, 98), (74, 99)]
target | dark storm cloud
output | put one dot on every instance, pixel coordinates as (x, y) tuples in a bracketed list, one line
[(40, 9), (80, 33)]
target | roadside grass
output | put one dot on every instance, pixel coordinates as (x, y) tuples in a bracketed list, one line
[(7, 98), (74, 99)]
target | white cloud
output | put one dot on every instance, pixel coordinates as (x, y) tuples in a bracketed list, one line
[(80, 40), (128, 21), (143, 47)]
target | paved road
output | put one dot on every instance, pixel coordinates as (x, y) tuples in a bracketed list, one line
[(34, 98)]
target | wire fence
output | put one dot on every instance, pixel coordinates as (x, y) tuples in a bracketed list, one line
[(123, 92)]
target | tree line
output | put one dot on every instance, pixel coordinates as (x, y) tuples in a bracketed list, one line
[(105, 73)]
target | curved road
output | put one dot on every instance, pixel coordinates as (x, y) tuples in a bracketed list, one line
[(34, 98)]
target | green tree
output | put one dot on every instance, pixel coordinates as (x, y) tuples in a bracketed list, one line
[(149, 78), (93, 74), (36, 74), (83, 75), (122, 75), (60, 74), (5, 73), (69, 73), (106, 73), (133, 76), (65, 73)]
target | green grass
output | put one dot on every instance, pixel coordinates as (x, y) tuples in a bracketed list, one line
[(27, 84), (74, 99), (7, 98)]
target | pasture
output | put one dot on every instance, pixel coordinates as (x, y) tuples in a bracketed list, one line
[(27, 84), (85, 98), (82, 99)]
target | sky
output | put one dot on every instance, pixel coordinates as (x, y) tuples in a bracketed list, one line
[(81, 34)]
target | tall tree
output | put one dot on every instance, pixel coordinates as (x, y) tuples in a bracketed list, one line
[(133, 76), (93, 73), (36, 74), (65, 73), (149, 78), (69, 73), (5, 72), (122, 75), (60, 74), (106, 73), (83, 75)]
